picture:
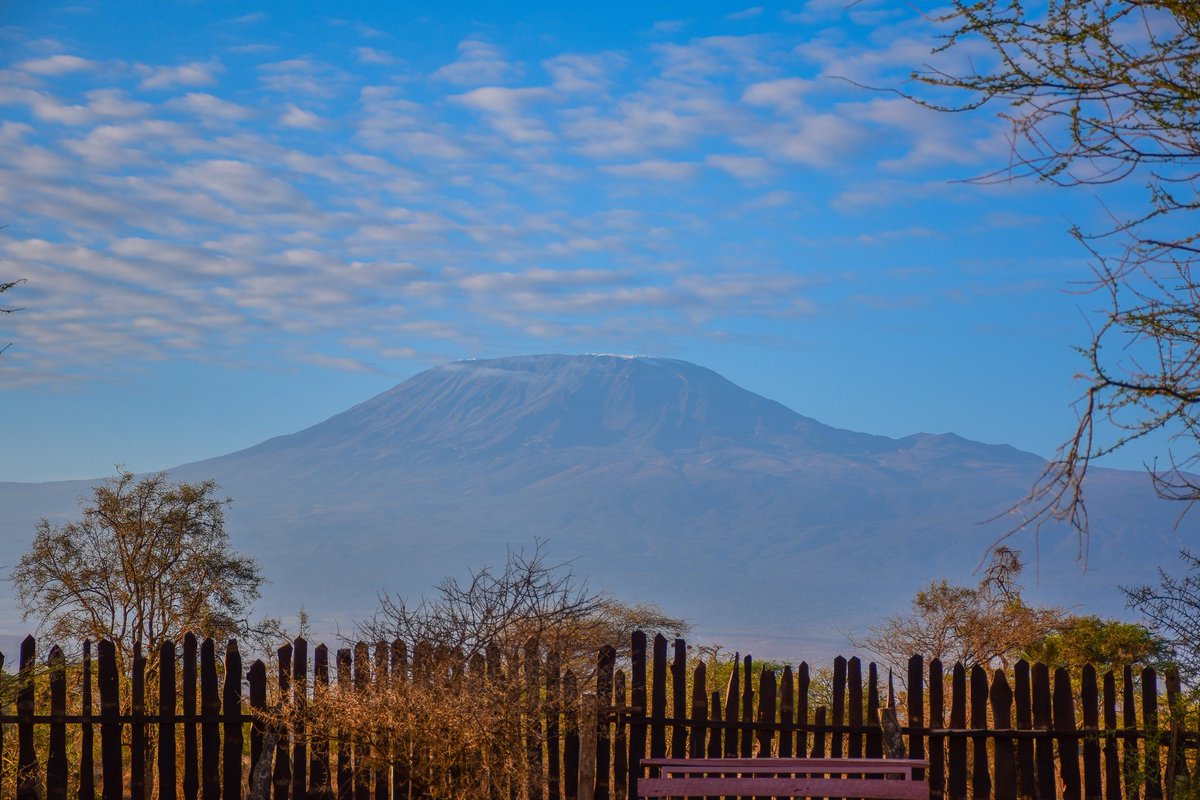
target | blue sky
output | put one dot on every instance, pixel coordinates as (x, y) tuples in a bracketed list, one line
[(236, 219)]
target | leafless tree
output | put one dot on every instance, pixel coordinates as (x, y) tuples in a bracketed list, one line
[(1101, 92)]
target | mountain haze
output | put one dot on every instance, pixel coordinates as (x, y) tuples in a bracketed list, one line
[(664, 481)]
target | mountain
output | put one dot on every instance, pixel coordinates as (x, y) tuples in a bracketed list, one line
[(663, 482)]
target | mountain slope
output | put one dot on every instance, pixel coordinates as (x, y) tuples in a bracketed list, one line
[(665, 481)]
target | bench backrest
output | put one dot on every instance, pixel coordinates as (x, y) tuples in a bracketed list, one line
[(878, 779)]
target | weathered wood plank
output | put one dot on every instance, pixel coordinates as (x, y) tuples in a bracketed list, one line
[(1112, 759), (787, 712), (1023, 700), (678, 699), (552, 710), (637, 699), (937, 742), (400, 766), (167, 702), (345, 769), (137, 726), (1089, 696), (1043, 721), (210, 726), (231, 707), (766, 713), (981, 781), (113, 773), (299, 787), (698, 739), (1003, 749), (191, 749), (1129, 747), (874, 735), (87, 767), (281, 773), (620, 786), (1064, 725), (56, 759), (256, 676), (916, 708), (956, 786), (605, 661), (733, 690), (747, 738), (658, 698), (837, 738), (571, 726), (28, 781), (802, 689), (360, 742), (1153, 762)]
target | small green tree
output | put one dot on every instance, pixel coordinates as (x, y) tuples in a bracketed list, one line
[(1104, 643)]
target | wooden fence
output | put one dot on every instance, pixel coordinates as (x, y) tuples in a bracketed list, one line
[(1037, 733)]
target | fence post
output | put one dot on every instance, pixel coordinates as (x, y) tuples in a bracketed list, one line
[(56, 762), (587, 747), (110, 726), (166, 721), (604, 703), (27, 768), (137, 728), (87, 768), (231, 761)]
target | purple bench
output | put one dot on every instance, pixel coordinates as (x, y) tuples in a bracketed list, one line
[(889, 779)]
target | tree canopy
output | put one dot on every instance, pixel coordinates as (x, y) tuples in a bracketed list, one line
[(1101, 92), (148, 560), (990, 624)]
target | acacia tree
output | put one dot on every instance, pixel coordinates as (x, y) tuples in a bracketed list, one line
[(148, 561), (1173, 611), (988, 624), (991, 625), (1104, 92)]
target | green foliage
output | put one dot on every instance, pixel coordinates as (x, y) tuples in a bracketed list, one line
[(1104, 643)]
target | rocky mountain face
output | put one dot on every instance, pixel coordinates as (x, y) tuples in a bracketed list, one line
[(661, 480)]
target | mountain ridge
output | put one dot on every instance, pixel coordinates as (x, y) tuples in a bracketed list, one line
[(636, 467)]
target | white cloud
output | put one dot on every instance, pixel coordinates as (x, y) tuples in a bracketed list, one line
[(784, 94), (572, 72), (369, 55), (818, 140), (245, 186), (503, 106), (56, 65), (743, 167), (210, 107), (654, 170), (295, 117), (196, 73), (302, 76), (478, 63), (746, 13)]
